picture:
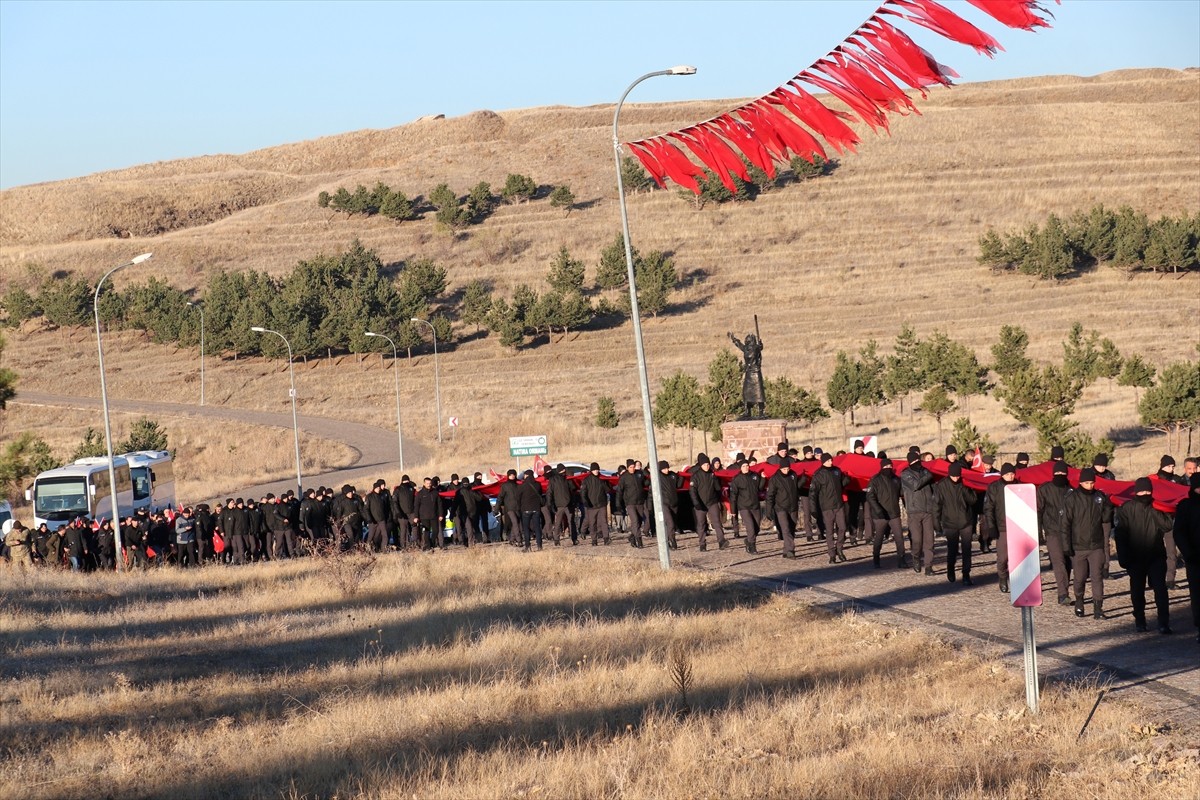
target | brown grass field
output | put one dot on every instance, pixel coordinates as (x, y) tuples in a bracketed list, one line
[(489, 674), (889, 238)]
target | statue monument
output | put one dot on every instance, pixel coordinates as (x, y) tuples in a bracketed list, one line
[(754, 394)]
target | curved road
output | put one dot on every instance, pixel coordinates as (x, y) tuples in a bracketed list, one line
[(374, 448)]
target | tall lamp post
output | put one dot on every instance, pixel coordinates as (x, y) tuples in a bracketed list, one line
[(664, 554), (295, 424), (437, 383), (112, 472), (200, 307), (396, 374)]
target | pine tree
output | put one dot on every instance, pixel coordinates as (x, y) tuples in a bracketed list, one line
[(786, 400), (476, 303), (562, 197), (145, 434), (606, 413), (1173, 405), (937, 403), (612, 272), (1136, 373), (1008, 354), (633, 176), (518, 188), (903, 375), (566, 274)]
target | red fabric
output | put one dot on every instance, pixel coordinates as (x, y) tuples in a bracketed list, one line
[(720, 148), (943, 22), (826, 122), (706, 156), (800, 141), (743, 139), (218, 543), (1014, 13), (864, 71), (649, 162)]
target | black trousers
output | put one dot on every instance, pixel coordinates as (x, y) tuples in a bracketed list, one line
[(1154, 573), (284, 540), (881, 528), (751, 518), (786, 520), (187, 551), (595, 522), (835, 543), (956, 537), (713, 516), (377, 537), (639, 520), (431, 534), (562, 524), (531, 525)]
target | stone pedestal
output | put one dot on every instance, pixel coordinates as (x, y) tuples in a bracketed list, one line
[(752, 436)]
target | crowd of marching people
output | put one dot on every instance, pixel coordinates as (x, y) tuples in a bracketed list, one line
[(1086, 518)]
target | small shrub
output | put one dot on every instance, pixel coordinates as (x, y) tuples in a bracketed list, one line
[(606, 413), (518, 189)]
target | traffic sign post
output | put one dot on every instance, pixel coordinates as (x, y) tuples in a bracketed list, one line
[(1025, 579), (527, 446)]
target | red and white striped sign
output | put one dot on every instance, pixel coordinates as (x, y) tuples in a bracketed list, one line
[(1024, 558), (870, 443)]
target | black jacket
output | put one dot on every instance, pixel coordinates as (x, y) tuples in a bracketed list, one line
[(529, 496), (1187, 531), (507, 498), (993, 505), (669, 484), (917, 485), (953, 506), (469, 499), (743, 491), (428, 504), (378, 507), (632, 488), (826, 489), (559, 491), (705, 490), (348, 511), (404, 499), (594, 492), (1088, 520), (1139, 532), (883, 495), (783, 492), (1052, 507)]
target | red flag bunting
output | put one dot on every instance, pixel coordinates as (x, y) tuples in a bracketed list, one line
[(864, 72)]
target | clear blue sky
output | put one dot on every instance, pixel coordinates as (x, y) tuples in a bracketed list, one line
[(91, 86)]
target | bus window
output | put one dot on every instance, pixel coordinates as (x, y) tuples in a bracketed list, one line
[(141, 482), (59, 499)]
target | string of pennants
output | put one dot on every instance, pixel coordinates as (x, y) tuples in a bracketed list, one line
[(865, 72)]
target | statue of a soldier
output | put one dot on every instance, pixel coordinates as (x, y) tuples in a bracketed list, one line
[(754, 394)]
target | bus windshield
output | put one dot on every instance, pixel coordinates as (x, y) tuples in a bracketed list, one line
[(58, 499), (141, 482)]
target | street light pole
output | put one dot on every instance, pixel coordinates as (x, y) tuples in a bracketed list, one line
[(664, 553), (396, 375), (295, 424), (200, 307), (112, 472), (437, 383)]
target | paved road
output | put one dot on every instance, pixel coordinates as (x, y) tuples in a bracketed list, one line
[(374, 448), (1163, 671)]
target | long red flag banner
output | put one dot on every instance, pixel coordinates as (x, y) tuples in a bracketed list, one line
[(860, 470), (868, 72)]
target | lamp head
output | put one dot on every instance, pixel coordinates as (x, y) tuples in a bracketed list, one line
[(369, 333), (414, 319), (682, 69), (141, 258), (257, 329)]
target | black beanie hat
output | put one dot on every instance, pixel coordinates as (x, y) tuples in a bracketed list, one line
[(1008, 469), (951, 449), (826, 458), (913, 456), (858, 443), (781, 446), (1166, 461), (593, 467), (1057, 453), (1022, 458), (702, 459), (785, 463), (1087, 474), (807, 448), (1059, 468), (1101, 460), (663, 465), (347, 488), (1142, 484), (956, 469), (885, 463)]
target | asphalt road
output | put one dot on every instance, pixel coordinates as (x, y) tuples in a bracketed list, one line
[(375, 449)]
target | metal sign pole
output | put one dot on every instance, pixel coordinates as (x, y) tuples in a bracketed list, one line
[(1031, 668)]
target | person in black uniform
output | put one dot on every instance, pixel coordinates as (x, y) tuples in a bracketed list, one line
[(135, 541), (346, 514), (403, 508), (632, 489), (783, 498), (706, 502), (509, 507), (1138, 533), (468, 510), (743, 502), (826, 492), (75, 545), (593, 494), (205, 524), (954, 516), (559, 497), (429, 514), (377, 511), (1186, 532), (106, 546), (1088, 522), (883, 498), (669, 485), (1166, 473), (529, 503), (1052, 522)]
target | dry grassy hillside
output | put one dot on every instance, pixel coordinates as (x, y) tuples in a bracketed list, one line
[(890, 237)]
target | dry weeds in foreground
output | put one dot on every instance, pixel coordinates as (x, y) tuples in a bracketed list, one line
[(489, 674)]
